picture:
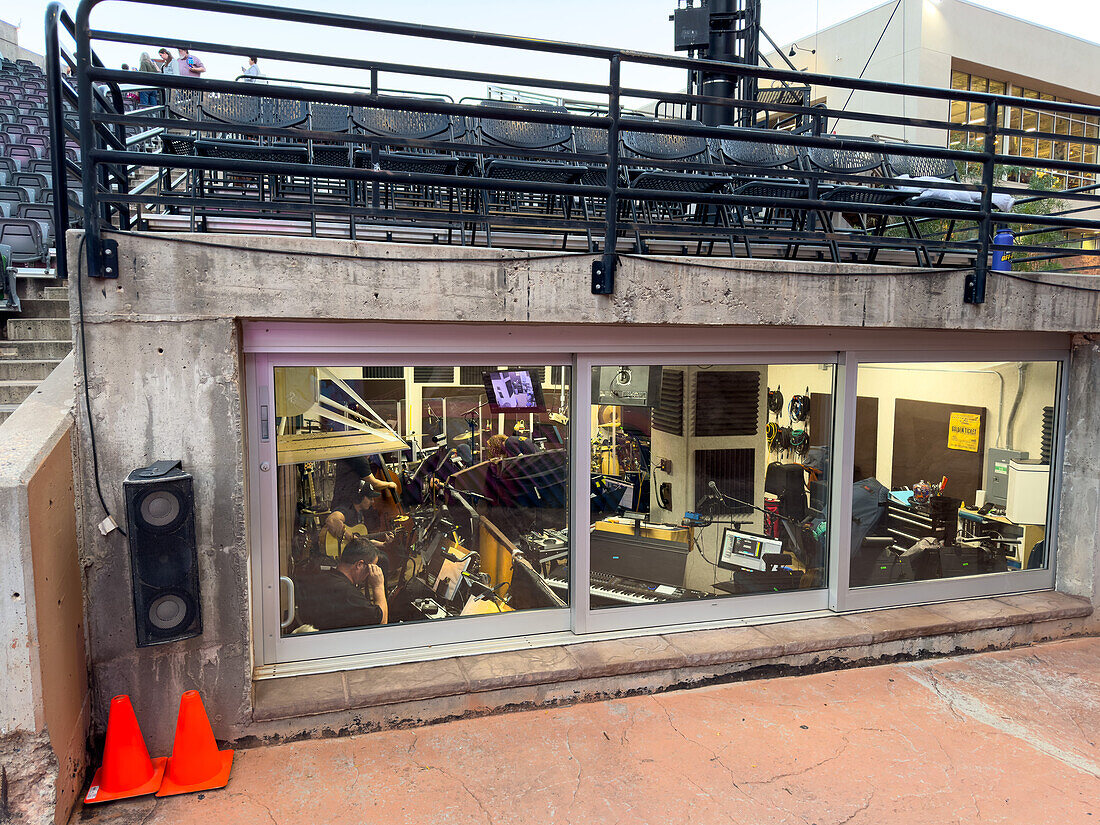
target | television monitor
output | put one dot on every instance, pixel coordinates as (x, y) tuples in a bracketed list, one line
[(745, 550), (513, 391)]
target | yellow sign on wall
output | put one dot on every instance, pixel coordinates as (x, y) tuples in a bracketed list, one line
[(964, 432)]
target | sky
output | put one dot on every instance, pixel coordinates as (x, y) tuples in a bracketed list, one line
[(641, 25)]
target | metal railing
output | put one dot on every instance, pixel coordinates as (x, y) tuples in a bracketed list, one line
[(251, 155)]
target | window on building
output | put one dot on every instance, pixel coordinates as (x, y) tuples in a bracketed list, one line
[(960, 484), (407, 494), (973, 114), (708, 481)]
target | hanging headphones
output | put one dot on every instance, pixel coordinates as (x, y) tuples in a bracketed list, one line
[(775, 400), (799, 407)]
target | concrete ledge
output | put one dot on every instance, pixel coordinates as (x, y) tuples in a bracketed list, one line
[(419, 692)]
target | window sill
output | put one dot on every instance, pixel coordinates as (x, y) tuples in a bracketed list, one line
[(590, 669)]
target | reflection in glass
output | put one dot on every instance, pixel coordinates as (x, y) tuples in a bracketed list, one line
[(959, 482), (708, 480), (412, 494)]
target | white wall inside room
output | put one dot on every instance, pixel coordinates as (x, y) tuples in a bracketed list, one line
[(803, 379), (979, 384), (793, 379)]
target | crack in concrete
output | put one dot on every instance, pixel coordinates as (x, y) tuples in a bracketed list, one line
[(151, 811), (1054, 703), (580, 769), (462, 784), (714, 754), (859, 810), (805, 770), (934, 684)]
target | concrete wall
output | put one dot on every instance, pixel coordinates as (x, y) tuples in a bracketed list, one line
[(165, 377), (10, 48), (44, 717)]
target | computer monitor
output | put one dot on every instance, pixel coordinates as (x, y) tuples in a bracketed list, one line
[(513, 391), (745, 551)]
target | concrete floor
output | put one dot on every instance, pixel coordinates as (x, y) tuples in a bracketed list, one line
[(1004, 737)]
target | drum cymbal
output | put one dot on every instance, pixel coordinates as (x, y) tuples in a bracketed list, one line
[(612, 424), (463, 437)]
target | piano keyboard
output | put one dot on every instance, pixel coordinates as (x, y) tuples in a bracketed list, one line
[(620, 590)]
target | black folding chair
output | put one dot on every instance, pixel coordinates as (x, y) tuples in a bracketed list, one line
[(403, 142), (652, 161), (926, 179), (521, 150), (855, 163)]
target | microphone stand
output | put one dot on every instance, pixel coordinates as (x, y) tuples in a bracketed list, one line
[(787, 521), (468, 416)]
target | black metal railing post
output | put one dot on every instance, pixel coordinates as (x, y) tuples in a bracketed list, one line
[(57, 131), (603, 270), (974, 285), (88, 170)]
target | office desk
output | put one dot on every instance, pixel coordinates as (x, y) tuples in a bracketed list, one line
[(973, 524)]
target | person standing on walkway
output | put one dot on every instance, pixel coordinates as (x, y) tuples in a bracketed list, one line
[(251, 72), (167, 62), (188, 65)]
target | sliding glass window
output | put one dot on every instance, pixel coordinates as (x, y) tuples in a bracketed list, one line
[(419, 494), (708, 480), (952, 471)]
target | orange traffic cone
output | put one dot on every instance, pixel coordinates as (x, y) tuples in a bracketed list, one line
[(196, 764), (127, 769)]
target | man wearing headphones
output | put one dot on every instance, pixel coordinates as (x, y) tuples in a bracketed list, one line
[(353, 594)]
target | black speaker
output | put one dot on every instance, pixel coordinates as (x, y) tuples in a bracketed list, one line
[(160, 520)]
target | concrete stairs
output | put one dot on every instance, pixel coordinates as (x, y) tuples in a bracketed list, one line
[(35, 340)]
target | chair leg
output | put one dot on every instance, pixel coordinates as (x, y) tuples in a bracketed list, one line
[(946, 238)]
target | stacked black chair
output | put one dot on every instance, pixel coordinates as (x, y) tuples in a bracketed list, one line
[(333, 150), (405, 140), (666, 162), (931, 175), (522, 150), (847, 164), (764, 169)]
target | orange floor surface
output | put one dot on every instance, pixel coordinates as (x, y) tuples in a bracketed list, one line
[(1004, 737)]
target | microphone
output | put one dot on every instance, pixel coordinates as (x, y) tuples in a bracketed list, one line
[(714, 489)]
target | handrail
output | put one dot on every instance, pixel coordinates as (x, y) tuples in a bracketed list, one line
[(56, 16), (620, 194)]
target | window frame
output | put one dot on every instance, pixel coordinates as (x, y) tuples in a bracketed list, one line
[(901, 594), (330, 343)]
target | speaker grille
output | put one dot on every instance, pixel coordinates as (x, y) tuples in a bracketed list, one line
[(1048, 434), (434, 375), (164, 562), (171, 611), (727, 403), (160, 516), (732, 471), (160, 510)]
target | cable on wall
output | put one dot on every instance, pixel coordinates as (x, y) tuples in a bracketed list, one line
[(84, 369)]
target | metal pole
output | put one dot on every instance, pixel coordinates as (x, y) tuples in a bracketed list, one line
[(603, 270), (974, 286), (57, 132), (87, 134)]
